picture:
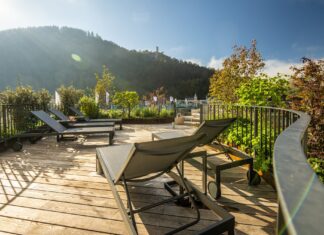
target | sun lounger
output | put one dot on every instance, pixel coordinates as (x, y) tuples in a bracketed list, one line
[(212, 128), (144, 161), (64, 120), (61, 130), (80, 116)]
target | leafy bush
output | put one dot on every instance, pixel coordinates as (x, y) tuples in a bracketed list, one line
[(23, 99), (241, 134), (150, 112), (318, 165), (136, 112), (263, 91), (70, 96), (112, 113), (164, 113), (89, 107)]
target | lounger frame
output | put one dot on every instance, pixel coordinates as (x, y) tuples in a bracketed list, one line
[(189, 191)]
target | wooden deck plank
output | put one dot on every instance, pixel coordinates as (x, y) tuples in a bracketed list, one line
[(52, 188)]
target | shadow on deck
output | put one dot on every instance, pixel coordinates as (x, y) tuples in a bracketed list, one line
[(53, 188)]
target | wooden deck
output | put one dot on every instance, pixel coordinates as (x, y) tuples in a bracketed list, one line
[(53, 188)]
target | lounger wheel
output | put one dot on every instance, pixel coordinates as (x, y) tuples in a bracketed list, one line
[(255, 179), (17, 146), (32, 140), (212, 189)]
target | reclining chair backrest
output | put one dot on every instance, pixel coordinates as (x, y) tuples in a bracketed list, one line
[(79, 113), (212, 129), (53, 124), (59, 114), (158, 156)]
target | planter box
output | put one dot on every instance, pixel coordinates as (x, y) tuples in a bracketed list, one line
[(147, 120)]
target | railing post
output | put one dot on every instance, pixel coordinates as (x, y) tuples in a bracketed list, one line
[(256, 122), (201, 113), (4, 119)]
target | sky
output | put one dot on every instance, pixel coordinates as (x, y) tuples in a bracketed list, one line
[(200, 31)]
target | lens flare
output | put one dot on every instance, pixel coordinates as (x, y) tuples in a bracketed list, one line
[(76, 57)]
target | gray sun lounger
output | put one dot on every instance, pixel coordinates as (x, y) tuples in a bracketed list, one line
[(66, 122), (80, 116), (212, 129), (145, 161), (61, 130)]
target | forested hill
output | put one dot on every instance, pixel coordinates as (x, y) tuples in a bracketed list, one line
[(47, 57)]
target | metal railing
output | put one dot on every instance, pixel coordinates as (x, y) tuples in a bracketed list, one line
[(255, 129), (16, 119), (279, 135)]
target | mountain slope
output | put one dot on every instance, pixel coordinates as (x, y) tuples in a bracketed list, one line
[(43, 58)]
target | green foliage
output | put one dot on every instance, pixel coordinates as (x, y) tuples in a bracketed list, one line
[(70, 96), (240, 67), (25, 95), (89, 107), (111, 113), (127, 100), (318, 165), (241, 134), (308, 96), (23, 99), (164, 113), (67, 56), (263, 91), (43, 98), (150, 112), (104, 83)]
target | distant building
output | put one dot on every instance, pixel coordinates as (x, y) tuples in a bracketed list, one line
[(156, 52)]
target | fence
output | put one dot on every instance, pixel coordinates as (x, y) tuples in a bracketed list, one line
[(255, 129), (16, 119), (279, 135)]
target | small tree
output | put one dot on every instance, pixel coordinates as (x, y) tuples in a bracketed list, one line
[(308, 96), (240, 67), (263, 91), (127, 100), (104, 84), (70, 96)]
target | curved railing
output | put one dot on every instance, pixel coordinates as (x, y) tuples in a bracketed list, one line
[(300, 193), (282, 136)]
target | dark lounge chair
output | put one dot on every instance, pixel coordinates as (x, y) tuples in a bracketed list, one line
[(64, 120), (144, 161), (61, 130), (212, 128), (81, 117)]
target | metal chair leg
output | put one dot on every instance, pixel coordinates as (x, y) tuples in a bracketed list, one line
[(129, 203)]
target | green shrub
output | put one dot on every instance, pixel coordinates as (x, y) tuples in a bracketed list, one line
[(70, 96), (89, 107), (240, 134), (23, 99), (111, 113), (150, 112), (263, 91), (136, 113), (164, 113), (318, 165)]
